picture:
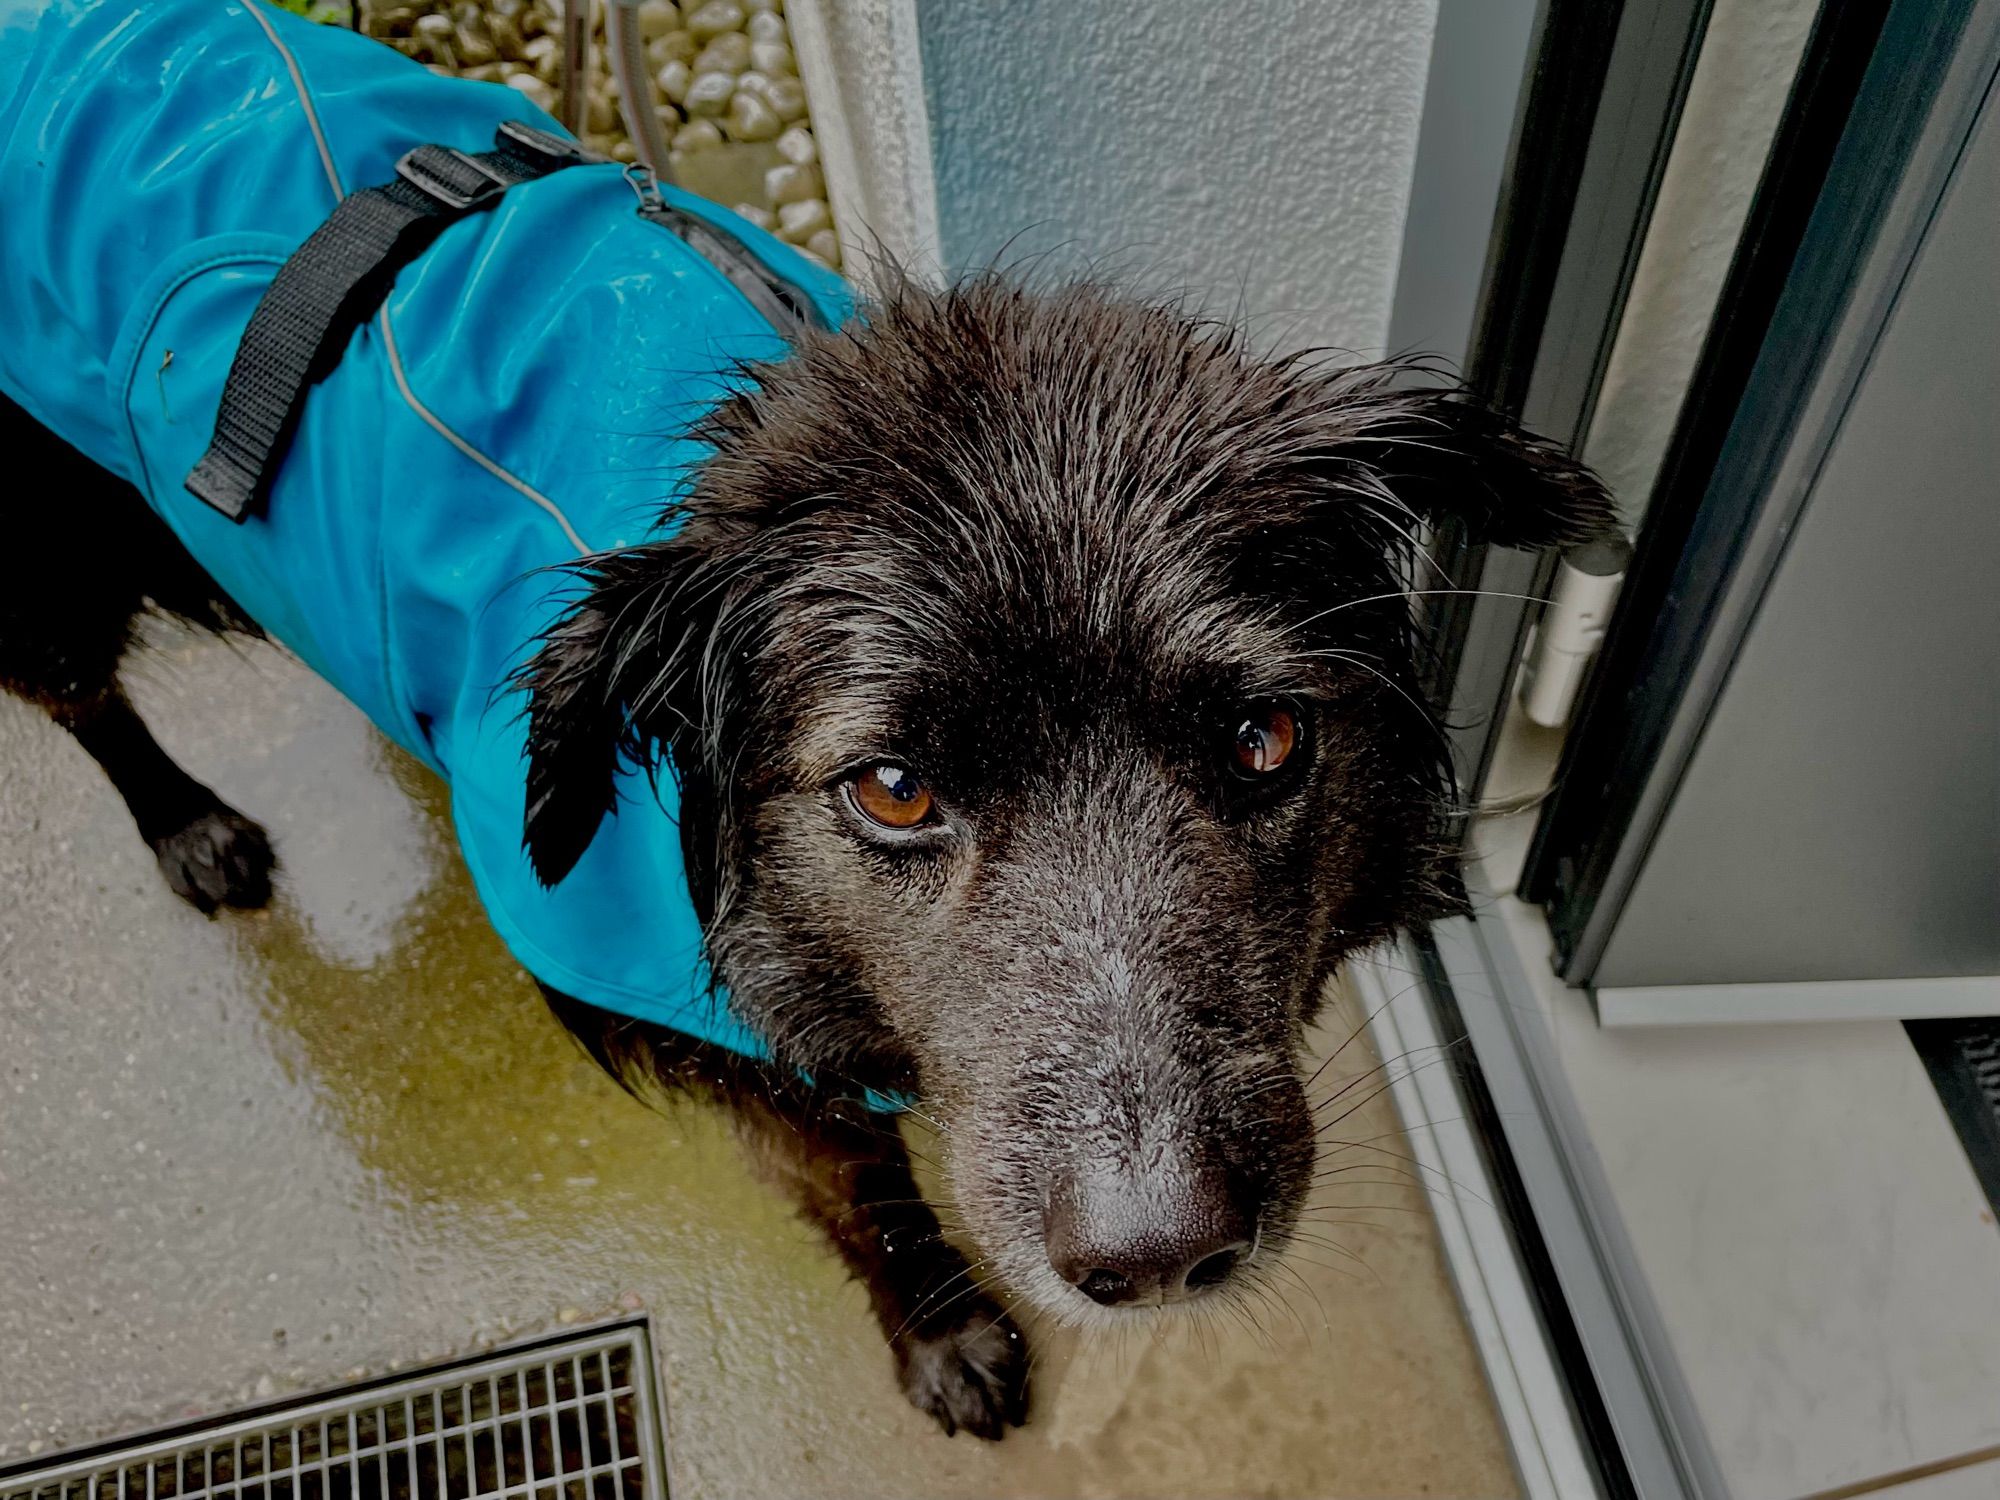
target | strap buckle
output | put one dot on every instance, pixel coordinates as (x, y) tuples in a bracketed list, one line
[(448, 177), (545, 151), (333, 283)]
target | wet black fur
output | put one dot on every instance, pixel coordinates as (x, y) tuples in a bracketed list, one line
[(1040, 545)]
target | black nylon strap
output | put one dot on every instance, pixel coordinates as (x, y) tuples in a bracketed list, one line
[(332, 284)]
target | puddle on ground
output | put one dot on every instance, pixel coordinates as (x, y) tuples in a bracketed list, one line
[(394, 1153)]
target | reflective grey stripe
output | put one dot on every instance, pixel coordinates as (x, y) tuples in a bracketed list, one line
[(305, 99), (430, 418), (424, 413)]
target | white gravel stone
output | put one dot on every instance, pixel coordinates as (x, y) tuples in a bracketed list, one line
[(474, 43), (793, 184), (674, 80), (787, 98), (709, 95), (657, 18), (728, 53), (767, 27), (799, 222), (698, 135), (539, 93), (437, 39), (763, 218), (714, 18), (798, 147), (825, 244), (774, 58), (751, 119), (675, 46), (545, 53), (753, 82)]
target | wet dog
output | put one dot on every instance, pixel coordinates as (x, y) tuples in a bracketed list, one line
[(1039, 670)]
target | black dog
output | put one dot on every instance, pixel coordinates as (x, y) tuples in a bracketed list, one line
[(1040, 671)]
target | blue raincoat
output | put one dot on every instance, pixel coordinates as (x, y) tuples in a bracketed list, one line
[(522, 398)]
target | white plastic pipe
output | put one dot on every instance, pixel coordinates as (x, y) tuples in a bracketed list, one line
[(1572, 628)]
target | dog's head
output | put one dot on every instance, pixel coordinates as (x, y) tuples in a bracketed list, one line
[(1040, 672)]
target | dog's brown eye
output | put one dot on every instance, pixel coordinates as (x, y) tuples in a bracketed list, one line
[(892, 796), (1265, 739)]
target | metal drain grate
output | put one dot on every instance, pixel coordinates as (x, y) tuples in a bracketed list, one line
[(569, 1419)]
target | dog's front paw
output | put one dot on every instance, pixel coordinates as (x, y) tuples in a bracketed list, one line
[(219, 859), (968, 1369)]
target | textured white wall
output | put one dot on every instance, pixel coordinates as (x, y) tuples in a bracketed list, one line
[(1258, 152)]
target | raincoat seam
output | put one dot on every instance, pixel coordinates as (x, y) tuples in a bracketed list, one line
[(138, 330)]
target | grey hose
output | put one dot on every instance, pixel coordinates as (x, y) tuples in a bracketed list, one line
[(573, 101)]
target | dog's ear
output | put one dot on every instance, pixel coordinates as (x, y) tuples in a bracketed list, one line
[(1442, 453), (598, 688)]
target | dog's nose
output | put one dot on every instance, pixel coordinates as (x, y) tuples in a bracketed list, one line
[(1117, 1240)]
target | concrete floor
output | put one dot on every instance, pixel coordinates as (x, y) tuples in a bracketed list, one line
[(261, 1155)]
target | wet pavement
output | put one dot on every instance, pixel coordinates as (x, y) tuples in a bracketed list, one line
[(256, 1156)]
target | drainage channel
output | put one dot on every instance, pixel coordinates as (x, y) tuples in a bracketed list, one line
[(572, 1418)]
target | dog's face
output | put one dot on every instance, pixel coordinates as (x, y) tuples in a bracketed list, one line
[(1039, 670)]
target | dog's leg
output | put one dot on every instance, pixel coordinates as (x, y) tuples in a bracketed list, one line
[(84, 555), (958, 1354), (210, 853)]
